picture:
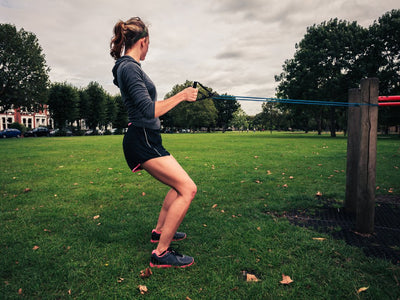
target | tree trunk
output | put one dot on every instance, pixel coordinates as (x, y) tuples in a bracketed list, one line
[(333, 122)]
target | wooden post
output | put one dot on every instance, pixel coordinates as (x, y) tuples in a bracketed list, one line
[(353, 151), (367, 156)]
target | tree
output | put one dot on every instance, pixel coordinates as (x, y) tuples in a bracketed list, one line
[(226, 109), (121, 120), (239, 120), (192, 115), (324, 67), (23, 71), (111, 111), (384, 62), (96, 105), (63, 104)]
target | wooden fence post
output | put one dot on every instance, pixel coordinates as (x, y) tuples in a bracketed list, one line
[(366, 180), (353, 151)]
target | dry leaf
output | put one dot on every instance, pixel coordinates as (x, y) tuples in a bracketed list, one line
[(269, 172), (318, 194), (363, 289), (69, 292), (143, 194), (20, 291), (251, 277), (319, 239), (27, 190), (214, 206), (96, 217), (142, 289), (146, 273), (286, 279), (120, 280), (35, 247)]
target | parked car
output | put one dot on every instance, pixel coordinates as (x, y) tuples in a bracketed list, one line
[(39, 131), (10, 132), (58, 132)]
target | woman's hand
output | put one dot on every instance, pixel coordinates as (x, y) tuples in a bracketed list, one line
[(190, 94), (164, 106)]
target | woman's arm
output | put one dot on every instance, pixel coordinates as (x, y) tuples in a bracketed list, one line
[(164, 106)]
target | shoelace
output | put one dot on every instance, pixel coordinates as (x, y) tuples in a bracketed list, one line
[(174, 252)]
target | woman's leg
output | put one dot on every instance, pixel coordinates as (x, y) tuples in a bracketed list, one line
[(169, 198), (167, 170)]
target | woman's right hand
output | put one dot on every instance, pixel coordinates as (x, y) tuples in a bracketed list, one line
[(190, 94)]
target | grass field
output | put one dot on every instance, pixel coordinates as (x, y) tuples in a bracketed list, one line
[(76, 223)]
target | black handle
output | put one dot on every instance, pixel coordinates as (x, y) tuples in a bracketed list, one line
[(195, 84)]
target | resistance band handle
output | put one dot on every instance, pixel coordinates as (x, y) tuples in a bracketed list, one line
[(195, 84)]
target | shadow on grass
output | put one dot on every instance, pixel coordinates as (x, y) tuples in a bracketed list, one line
[(384, 243)]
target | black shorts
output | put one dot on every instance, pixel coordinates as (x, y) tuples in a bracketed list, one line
[(141, 144)]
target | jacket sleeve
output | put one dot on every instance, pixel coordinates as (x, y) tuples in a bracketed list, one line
[(132, 81)]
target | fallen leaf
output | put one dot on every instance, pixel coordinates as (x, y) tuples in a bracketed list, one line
[(318, 194), (35, 247), (363, 289), (319, 239), (269, 172), (27, 190), (286, 279), (142, 289), (143, 194), (69, 292), (214, 206), (20, 291), (120, 279), (96, 217), (146, 273), (47, 230), (251, 277)]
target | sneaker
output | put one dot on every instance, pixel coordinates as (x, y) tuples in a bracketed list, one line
[(178, 236), (170, 258)]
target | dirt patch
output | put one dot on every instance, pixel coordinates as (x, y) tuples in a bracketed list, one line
[(383, 243)]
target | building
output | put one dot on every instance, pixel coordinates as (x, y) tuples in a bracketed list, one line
[(29, 119)]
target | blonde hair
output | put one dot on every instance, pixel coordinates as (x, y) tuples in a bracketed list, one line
[(126, 34)]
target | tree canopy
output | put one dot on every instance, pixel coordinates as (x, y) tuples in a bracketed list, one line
[(23, 70), (333, 57)]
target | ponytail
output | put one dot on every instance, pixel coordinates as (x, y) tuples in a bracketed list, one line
[(126, 34)]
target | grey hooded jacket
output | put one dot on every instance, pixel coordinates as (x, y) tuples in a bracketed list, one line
[(138, 92)]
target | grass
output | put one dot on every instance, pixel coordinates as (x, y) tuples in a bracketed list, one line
[(90, 217)]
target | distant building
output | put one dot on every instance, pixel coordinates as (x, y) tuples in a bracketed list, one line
[(29, 119)]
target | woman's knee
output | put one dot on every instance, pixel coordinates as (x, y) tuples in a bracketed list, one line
[(189, 190)]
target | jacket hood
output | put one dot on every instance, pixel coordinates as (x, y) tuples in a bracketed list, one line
[(120, 61)]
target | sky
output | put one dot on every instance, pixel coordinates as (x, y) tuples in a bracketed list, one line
[(232, 46)]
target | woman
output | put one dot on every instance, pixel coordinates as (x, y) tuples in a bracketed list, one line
[(142, 143)]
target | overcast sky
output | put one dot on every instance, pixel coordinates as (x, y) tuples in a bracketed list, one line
[(232, 46)]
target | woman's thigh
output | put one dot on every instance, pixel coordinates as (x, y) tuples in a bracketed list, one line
[(167, 170)]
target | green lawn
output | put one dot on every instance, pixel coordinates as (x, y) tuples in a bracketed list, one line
[(76, 223)]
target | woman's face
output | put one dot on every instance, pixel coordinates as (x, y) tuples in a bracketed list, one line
[(145, 47)]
